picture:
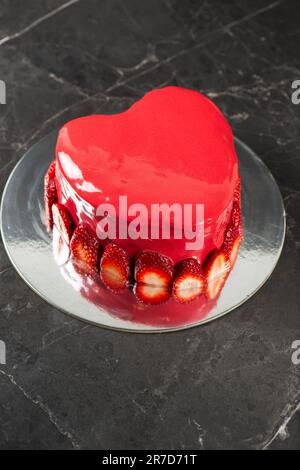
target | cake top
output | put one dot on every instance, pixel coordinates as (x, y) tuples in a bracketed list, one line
[(172, 146)]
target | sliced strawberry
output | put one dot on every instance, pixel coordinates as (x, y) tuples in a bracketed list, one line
[(115, 267), (237, 191), (85, 248), (231, 234), (60, 247), (50, 197), (51, 170), (62, 220), (216, 270), (234, 251), (153, 295), (232, 240), (153, 269), (236, 215), (50, 194), (189, 281)]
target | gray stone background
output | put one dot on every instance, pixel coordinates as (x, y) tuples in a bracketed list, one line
[(229, 384)]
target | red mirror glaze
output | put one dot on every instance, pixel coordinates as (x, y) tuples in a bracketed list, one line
[(172, 146)]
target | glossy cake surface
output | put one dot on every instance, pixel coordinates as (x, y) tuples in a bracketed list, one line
[(172, 146)]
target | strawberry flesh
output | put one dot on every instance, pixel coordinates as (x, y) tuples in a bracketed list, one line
[(153, 269), (232, 240), (50, 194), (62, 220), (189, 281), (115, 267), (216, 270), (152, 295), (234, 251), (60, 247), (85, 248)]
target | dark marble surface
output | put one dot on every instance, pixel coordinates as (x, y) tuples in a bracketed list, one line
[(229, 384)]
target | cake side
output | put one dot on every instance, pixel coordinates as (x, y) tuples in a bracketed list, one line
[(83, 212)]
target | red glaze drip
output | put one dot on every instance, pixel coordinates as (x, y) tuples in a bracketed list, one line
[(172, 146)]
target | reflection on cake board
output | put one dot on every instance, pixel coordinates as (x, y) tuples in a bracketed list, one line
[(30, 250)]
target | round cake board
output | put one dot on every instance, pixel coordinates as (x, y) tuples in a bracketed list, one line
[(29, 248)]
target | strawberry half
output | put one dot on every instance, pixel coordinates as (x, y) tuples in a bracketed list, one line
[(237, 191), (236, 215), (153, 269), (60, 247), (189, 281), (216, 270), (232, 241), (234, 251), (62, 220), (153, 295), (50, 194), (115, 267), (85, 248), (51, 170)]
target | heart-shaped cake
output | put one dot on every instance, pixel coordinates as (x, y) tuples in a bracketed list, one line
[(171, 149)]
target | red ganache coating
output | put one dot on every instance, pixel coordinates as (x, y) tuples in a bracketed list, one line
[(172, 146)]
